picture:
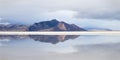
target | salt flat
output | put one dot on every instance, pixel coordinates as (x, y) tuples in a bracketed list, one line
[(59, 32)]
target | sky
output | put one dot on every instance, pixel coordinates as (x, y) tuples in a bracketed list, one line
[(83, 47), (68, 46), (30, 11)]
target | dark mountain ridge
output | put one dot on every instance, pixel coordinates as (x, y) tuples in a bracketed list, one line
[(53, 25)]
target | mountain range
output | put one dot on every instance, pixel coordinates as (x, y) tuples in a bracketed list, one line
[(53, 39), (52, 25)]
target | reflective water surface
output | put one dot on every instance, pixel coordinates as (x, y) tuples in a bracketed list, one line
[(49, 47)]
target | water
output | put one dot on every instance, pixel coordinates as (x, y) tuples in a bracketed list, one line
[(70, 48)]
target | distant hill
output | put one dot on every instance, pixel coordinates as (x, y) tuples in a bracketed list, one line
[(11, 27)]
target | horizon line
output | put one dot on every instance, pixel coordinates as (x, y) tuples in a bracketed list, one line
[(59, 32)]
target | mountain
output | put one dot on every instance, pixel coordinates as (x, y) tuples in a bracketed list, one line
[(11, 27), (54, 25), (54, 39)]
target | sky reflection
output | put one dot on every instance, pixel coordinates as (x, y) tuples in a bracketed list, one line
[(83, 47)]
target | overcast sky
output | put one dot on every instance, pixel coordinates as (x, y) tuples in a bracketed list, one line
[(29, 11), (84, 8)]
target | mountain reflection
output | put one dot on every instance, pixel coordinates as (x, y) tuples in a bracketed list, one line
[(54, 39)]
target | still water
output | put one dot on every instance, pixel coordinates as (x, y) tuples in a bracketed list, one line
[(59, 47)]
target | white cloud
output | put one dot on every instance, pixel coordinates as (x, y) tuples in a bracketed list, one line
[(26, 9), (4, 40), (60, 15), (72, 11), (98, 23), (1, 45), (0, 19), (63, 50), (63, 15), (2, 22)]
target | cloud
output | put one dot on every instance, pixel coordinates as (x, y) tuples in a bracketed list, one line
[(85, 13), (14, 9), (98, 24), (63, 15), (2, 22), (62, 50), (98, 52), (114, 15), (3, 41), (1, 45), (0, 19), (69, 47), (105, 48)]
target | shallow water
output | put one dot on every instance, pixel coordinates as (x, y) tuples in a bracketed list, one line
[(82, 47)]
